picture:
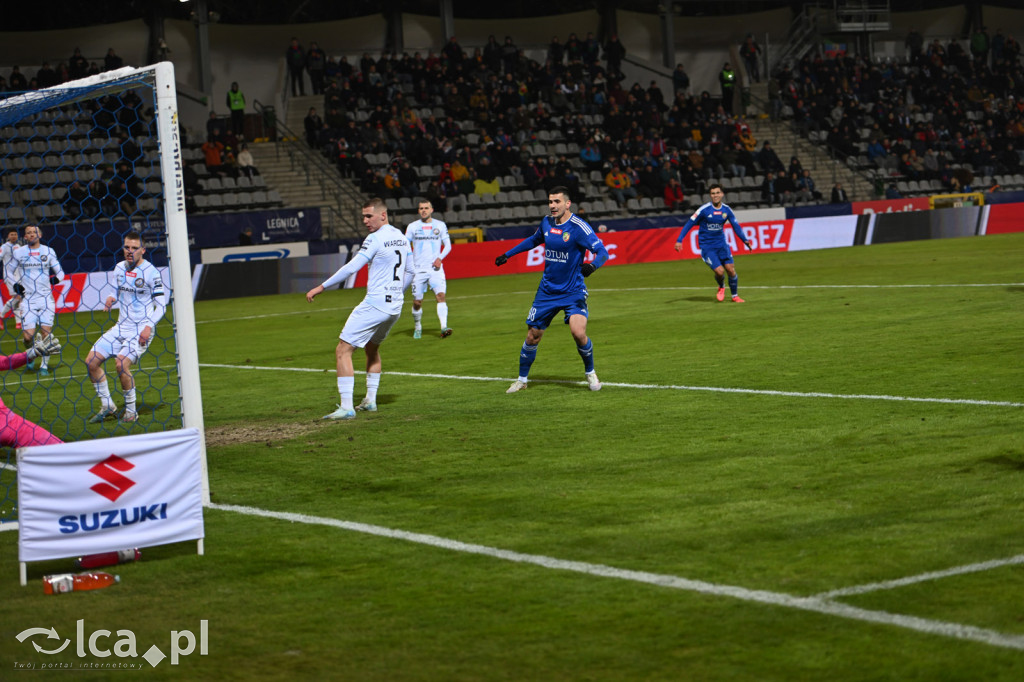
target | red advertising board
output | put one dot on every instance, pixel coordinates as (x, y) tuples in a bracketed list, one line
[(891, 205), (1005, 218)]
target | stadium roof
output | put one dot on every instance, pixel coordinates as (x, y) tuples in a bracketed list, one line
[(34, 16)]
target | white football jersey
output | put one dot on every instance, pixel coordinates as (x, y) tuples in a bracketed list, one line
[(32, 267), (388, 253), (7, 253), (140, 294), (429, 242)]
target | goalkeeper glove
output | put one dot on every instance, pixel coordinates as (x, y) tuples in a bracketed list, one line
[(19, 290), (588, 269), (501, 260), (43, 346), (55, 280)]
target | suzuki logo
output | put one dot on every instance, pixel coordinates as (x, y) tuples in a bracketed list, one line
[(116, 484)]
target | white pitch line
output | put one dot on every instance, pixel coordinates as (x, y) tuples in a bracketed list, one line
[(923, 577), (634, 289), (811, 604), (669, 387)]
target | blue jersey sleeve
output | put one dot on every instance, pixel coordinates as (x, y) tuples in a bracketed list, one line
[(536, 239), (688, 226), (736, 227)]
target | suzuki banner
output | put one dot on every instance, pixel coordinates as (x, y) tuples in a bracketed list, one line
[(108, 494)]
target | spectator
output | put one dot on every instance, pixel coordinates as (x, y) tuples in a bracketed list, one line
[(78, 66), (727, 81), (556, 51), (770, 189), (295, 57), (892, 193), (619, 185), (245, 237), (674, 197), (409, 179), (313, 124), (749, 52), (246, 165), (769, 160), (807, 183), (316, 62), (839, 195), (914, 43), (16, 81), (236, 105), (112, 61), (614, 53), (213, 154), (680, 81)]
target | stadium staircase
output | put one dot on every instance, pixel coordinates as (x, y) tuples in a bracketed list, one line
[(306, 179), (787, 143)]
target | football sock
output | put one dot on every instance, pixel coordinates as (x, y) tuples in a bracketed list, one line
[(526, 358), (734, 285), (721, 281), (417, 316), (346, 385), (7, 307), (442, 314), (44, 362), (103, 391), (372, 384), (129, 400), (587, 353)]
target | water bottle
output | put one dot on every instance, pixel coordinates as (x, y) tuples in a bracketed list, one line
[(70, 582), (121, 556)]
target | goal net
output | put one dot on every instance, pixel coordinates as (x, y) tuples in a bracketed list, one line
[(87, 162)]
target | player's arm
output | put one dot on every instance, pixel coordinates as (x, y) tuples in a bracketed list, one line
[(535, 239), (738, 229), (600, 252), (686, 228), (56, 271), (157, 309), (410, 270), (344, 272), (446, 248)]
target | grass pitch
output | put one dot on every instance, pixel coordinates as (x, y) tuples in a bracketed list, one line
[(760, 492)]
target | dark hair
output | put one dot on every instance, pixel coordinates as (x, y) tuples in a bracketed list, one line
[(715, 186), (564, 191), (135, 235)]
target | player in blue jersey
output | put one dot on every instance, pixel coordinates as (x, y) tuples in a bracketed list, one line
[(566, 238), (714, 250)]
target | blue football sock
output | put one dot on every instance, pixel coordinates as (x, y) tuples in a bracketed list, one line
[(734, 285), (526, 358), (587, 353)]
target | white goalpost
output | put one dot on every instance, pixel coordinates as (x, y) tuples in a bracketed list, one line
[(87, 162)]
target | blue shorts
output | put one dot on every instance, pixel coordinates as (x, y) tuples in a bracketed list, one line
[(716, 256), (546, 307)]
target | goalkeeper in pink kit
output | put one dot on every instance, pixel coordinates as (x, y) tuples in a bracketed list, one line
[(15, 430)]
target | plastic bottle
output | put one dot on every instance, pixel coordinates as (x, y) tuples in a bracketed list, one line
[(121, 556), (70, 582)]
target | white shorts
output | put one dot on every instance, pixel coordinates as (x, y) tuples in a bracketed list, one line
[(122, 340), (39, 311), (436, 280), (366, 324)]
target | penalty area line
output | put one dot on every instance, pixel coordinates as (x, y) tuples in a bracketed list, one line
[(663, 387), (810, 604)]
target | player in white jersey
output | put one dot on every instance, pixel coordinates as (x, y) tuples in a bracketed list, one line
[(6, 255), (387, 251), (430, 244), (140, 297), (34, 268)]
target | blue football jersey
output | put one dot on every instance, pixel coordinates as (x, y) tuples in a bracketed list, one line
[(712, 225), (565, 247)]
